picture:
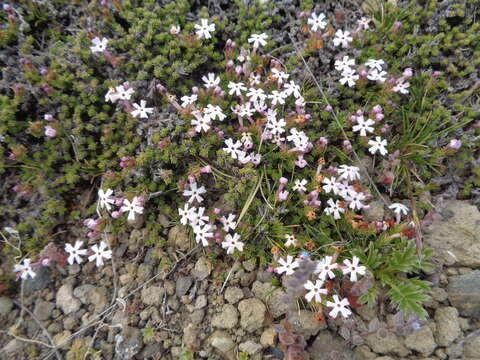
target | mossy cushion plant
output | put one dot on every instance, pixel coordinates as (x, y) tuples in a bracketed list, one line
[(157, 113)]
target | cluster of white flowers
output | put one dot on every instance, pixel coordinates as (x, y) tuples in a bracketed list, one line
[(203, 227), (106, 200), (75, 253), (325, 270)]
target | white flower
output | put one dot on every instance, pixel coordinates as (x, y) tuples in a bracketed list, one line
[(363, 126), (25, 269), (141, 110), (374, 75), (345, 64), (174, 30), (279, 75), (315, 290), (364, 23), (200, 122), (236, 88), (213, 112), (211, 81), (111, 95), (204, 29), (198, 217), (399, 208), (355, 200), (186, 214), (132, 208), (290, 240), (188, 100), (292, 89), (379, 145), (350, 173), (343, 38), (195, 193), (287, 266), (324, 268), (203, 233), (256, 94), (246, 110), (331, 184), (246, 138), (349, 77), (339, 306), (277, 97), (254, 79), (229, 222), (243, 157), (375, 64), (334, 208), (105, 199), (75, 252), (232, 148), (100, 45), (258, 40), (300, 185), (401, 87), (99, 253), (276, 126), (353, 268), (317, 21), (299, 138), (124, 94), (232, 242)]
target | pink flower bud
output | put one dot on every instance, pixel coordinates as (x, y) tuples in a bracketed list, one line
[(306, 202), (12, 156), (116, 214), (379, 117), (44, 72), (206, 169), (359, 112), (363, 73), (216, 211), (45, 262), (347, 145), (353, 119), (328, 108), (92, 234), (220, 134), (301, 162), (408, 73), (282, 195), (283, 180), (230, 64), (454, 144), (238, 70), (323, 141), (160, 87), (397, 25), (377, 108), (436, 74), (392, 81), (48, 117)]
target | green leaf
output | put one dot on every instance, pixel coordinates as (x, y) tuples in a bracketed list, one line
[(408, 296)]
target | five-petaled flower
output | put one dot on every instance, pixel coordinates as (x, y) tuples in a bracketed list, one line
[(233, 148), (75, 252), (315, 290), (324, 268), (100, 253), (300, 185), (363, 126), (290, 240), (141, 110), (317, 22), (232, 242), (229, 222), (258, 40), (25, 269), (204, 29), (195, 193), (339, 306), (342, 38), (353, 268), (132, 207), (99, 45), (379, 145), (287, 265)]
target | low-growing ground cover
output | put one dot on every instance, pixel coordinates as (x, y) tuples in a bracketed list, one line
[(278, 132)]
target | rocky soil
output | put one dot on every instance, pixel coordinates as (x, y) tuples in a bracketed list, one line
[(131, 309)]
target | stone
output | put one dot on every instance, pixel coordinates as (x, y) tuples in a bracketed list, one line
[(135, 239), (268, 337), (325, 343), (43, 310), (472, 347), (464, 294), (421, 341), (69, 323), (250, 347), (178, 238), (144, 272), (227, 318), (308, 326), (13, 347), (190, 336), (233, 294), (374, 212), (39, 282), (62, 340), (363, 352), (182, 285), (455, 238), (152, 295), (273, 297), (6, 305), (89, 294), (448, 326), (66, 301), (197, 316), (249, 265), (201, 302), (252, 314), (221, 341), (439, 294), (129, 343), (202, 269), (391, 343)]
